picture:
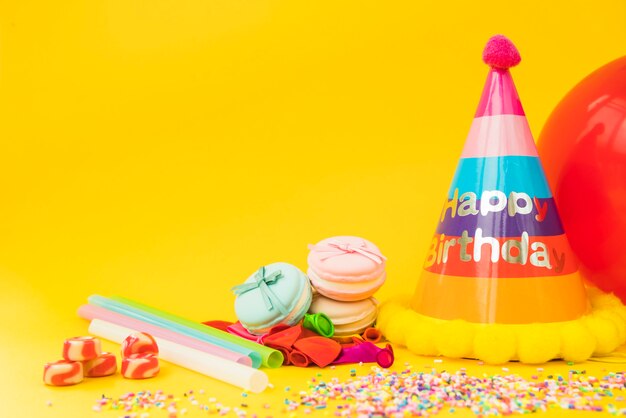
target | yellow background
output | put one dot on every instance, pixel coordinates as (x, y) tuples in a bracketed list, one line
[(163, 150)]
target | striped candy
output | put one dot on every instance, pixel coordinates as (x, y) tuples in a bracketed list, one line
[(140, 366), (63, 373), (139, 343), (103, 365), (81, 348)]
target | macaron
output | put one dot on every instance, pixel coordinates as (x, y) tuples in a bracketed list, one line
[(278, 293), (349, 318), (346, 268)]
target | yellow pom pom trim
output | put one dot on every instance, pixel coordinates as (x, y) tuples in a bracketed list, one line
[(454, 339), (495, 344), (598, 333)]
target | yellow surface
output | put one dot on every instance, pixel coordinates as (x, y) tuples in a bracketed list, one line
[(163, 150)]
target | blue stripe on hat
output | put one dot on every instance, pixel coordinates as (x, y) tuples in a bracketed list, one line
[(505, 173)]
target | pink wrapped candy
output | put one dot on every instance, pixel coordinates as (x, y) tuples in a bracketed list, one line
[(63, 373), (139, 343), (140, 366), (81, 348), (103, 365)]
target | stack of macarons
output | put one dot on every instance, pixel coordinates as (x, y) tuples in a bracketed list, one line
[(343, 274), (345, 271)]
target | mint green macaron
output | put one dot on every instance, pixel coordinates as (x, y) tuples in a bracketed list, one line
[(276, 294)]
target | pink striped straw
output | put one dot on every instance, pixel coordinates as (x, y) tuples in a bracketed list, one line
[(90, 312)]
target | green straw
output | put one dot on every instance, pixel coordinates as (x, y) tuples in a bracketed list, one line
[(258, 353)]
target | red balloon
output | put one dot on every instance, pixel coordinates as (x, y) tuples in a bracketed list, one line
[(583, 150)]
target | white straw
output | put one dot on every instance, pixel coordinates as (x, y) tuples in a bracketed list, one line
[(227, 371)]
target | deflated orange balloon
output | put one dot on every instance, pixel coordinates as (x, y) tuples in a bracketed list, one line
[(583, 150)]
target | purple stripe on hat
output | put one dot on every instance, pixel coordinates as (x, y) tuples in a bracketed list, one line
[(501, 224), (499, 96)]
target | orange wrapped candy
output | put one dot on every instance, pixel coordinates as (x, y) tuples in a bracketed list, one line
[(140, 366), (63, 373), (81, 348), (138, 343), (103, 365)]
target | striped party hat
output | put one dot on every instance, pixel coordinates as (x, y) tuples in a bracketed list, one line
[(500, 281), (499, 254)]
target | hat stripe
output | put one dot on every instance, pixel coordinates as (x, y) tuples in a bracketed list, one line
[(499, 135), (506, 174), (516, 257), (542, 219), (511, 301), (499, 95)]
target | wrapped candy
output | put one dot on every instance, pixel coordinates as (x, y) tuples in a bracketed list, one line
[(140, 366), (103, 365), (138, 343), (63, 373), (81, 348)]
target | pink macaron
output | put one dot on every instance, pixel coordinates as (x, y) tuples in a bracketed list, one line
[(346, 268)]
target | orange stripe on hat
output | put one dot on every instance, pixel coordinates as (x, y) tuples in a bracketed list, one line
[(501, 300)]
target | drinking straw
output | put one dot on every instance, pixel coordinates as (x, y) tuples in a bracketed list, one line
[(90, 312), (236, 374), (269, 357), (259, 354), (126, 310)]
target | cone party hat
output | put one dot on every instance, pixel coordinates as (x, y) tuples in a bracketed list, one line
[(500, 281)]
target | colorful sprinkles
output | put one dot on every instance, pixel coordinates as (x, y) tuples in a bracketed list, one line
[(408, 393), (385, 393), (140, 404)]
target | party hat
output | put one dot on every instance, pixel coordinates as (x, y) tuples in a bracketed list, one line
[(500, 280)]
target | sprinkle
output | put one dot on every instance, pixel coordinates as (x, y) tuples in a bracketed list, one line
[(437, 360), (48, 403), (382, 393)]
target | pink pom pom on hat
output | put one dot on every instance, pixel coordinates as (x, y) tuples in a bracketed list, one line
[(499, 94), (501, 53)]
